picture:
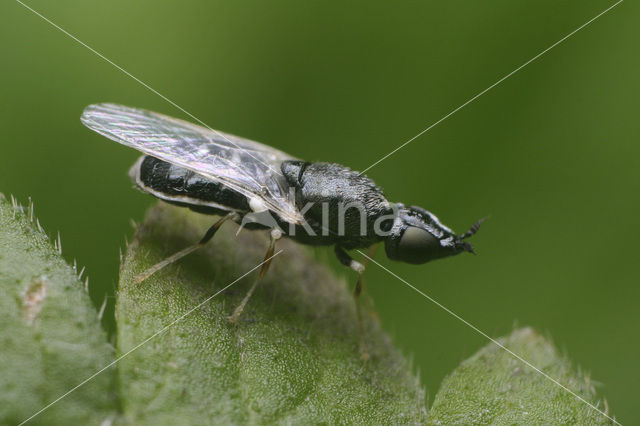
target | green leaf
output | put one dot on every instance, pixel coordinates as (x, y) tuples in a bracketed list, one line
[(291, 358), (50, 336), (493, 387)]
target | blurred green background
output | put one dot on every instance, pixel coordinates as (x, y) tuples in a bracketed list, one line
[(551, 154)]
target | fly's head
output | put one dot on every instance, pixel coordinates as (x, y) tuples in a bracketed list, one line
[(417, 236)]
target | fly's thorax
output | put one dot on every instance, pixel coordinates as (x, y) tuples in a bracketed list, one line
[(337, 200)]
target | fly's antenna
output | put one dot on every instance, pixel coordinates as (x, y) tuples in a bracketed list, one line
[(474, 228)]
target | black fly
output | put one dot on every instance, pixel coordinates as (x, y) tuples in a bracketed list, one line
[(263, 188)]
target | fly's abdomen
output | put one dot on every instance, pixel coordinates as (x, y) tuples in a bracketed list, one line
[(182, 186), (161, 176)]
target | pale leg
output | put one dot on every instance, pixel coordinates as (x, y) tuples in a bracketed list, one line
[(346, 260), (275, 235), (182, 253)]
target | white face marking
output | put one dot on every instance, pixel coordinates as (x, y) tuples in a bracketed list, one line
[(440, 224), (447, 242)]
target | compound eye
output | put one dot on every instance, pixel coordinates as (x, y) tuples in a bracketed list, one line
[(418, 246)]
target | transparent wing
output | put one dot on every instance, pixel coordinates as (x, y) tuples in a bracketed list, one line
[(251, 168)]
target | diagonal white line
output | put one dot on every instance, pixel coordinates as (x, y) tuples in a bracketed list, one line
[(76, 39), (368, 168), (492, 86), (482, 333), (157, 333)]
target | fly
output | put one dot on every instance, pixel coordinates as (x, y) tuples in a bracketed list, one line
[(260, 187)]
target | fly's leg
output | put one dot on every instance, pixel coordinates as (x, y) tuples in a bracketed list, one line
[(366, 298), (275, 235), (346, 260), (182, 253)]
